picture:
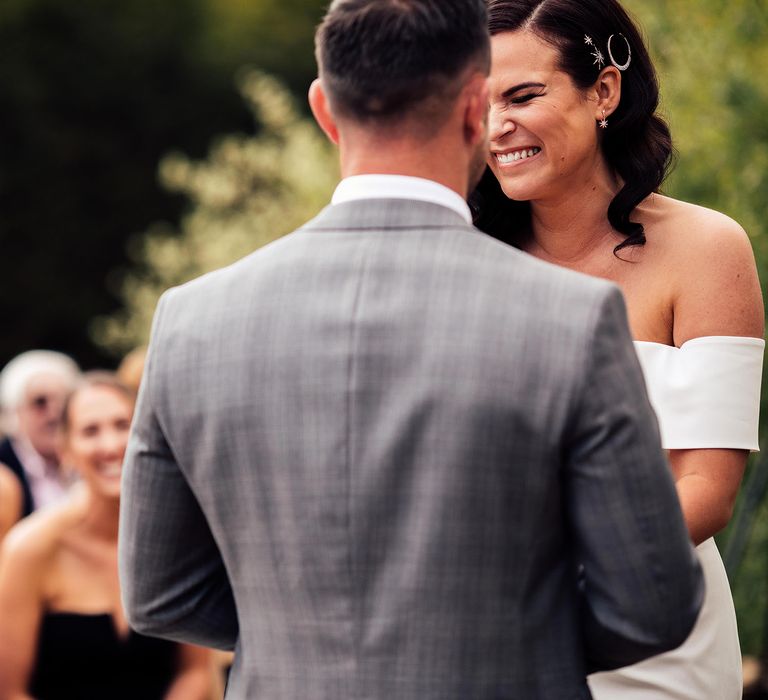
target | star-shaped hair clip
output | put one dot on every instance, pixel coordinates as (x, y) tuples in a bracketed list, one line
[(588, 40), (599, 60)]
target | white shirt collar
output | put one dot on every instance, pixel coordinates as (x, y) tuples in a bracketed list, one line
[(400, 187), (47, 482)]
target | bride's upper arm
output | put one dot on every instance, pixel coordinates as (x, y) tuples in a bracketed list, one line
[(717, 291)]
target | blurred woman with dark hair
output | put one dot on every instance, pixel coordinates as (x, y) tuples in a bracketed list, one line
[(63, 633), (578, 154)]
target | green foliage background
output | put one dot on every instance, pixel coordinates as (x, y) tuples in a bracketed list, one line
[(249, 191)]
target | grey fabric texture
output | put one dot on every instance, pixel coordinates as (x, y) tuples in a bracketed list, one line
[(388, 457)]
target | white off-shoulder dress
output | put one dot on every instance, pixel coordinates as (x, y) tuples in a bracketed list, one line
[(706, 394)]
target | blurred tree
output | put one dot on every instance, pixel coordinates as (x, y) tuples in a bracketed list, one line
[(275, 35), (93, 95), (249, 191)]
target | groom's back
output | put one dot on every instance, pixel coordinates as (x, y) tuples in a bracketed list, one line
[(372, 413)]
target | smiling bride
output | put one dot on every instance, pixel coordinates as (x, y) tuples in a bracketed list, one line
[(577, 156)]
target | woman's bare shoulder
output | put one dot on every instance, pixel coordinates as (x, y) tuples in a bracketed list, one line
[(680, 226), (11, 498), (34, 541), (6, 475), (712, 266), (10, 486)]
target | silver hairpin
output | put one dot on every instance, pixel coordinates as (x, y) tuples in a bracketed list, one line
[(588, 40), (623, 66), (599, 60)]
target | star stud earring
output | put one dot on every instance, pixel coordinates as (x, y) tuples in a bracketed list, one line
[(603, 122)]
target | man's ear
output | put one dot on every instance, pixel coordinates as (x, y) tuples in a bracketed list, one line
[(476, 109), (318, 102)]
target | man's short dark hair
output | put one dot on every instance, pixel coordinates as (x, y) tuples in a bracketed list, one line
[(380, 59)]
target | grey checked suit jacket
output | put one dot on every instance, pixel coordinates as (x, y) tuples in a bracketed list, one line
[(389, 458)]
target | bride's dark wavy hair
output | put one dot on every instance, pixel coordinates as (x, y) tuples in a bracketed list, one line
[(637, 145)]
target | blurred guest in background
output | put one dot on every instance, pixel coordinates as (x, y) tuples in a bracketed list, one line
[(63, 633), (10, 499), (132, 367), (32, 390)]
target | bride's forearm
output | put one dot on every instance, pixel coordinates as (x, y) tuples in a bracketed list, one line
[(707, 482), (705, 508), (194, 680)]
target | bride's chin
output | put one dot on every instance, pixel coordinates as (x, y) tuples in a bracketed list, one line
[(519, 194), (517, 188)]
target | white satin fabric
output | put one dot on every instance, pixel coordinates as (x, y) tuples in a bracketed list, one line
[(706, 394)]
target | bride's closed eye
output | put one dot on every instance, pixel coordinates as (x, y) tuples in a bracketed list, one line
[(521, 99), (523, 92)]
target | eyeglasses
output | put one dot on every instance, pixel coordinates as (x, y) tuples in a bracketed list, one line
[(43, 402)]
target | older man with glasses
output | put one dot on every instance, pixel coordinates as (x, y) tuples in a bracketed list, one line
[(33, 387)]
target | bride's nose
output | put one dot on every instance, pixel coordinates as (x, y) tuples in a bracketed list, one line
[(499, 124)]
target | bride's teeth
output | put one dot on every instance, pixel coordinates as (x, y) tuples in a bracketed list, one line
[(518, 155)]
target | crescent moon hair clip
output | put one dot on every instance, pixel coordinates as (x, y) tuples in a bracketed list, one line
[(620, 66)]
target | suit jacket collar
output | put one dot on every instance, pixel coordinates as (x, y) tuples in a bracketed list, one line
[(386, 214)]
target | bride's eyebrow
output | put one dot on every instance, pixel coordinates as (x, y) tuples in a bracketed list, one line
[(522, 86)]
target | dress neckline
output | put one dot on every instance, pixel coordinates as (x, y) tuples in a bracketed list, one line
[(707, 339), (108, 617)]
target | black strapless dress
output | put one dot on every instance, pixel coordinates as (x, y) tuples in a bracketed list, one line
[(81, 657)]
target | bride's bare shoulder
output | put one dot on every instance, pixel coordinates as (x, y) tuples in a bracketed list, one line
[(675, 226), (712, 267)]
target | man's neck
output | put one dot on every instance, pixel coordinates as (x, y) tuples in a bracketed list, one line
[(434, 163)]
